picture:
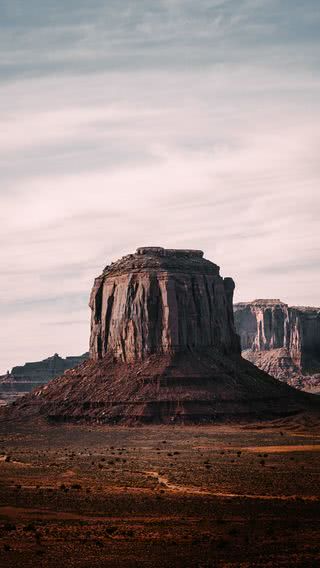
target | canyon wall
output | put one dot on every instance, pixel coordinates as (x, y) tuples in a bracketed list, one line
[(282, 340)]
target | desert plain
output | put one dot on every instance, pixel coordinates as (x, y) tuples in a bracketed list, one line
[(183, 496)]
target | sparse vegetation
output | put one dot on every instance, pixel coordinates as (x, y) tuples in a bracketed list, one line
[(154, 503)]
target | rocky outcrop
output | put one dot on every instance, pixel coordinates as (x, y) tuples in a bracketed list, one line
[(24, 378), (284, 341), (159, 301), (163, 349), (43, 371)]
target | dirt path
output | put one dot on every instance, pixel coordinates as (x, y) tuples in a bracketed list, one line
[(164, 481), (6, 459)]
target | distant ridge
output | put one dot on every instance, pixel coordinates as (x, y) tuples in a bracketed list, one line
[(42, 371)]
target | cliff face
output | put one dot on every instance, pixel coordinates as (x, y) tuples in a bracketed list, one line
[(282, 340), (262, 324), (159, 300), (305, 337)]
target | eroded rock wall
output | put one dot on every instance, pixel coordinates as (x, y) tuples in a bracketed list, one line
[(284, 341), (262, 324), (159, 300), (305, 343)]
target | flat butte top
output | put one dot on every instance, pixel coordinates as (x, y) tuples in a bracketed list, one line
[(158, 259), (262, 303), (267, 303)]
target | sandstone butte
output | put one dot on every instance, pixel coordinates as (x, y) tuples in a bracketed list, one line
[(284, 341), (163, 349)]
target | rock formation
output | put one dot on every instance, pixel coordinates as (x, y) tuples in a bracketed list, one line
[(43, 371), (283, 341), (163, 348), (24, 378), (161, 301)]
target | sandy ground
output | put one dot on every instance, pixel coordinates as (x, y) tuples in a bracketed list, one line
[(159, 496)]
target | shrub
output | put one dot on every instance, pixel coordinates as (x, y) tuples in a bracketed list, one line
[(222, 543), (29, 527), (9, 527)]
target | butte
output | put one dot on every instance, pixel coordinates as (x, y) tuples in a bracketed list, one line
[(163, 349)]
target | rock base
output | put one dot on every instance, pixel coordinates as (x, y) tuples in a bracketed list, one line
[(181, 388)]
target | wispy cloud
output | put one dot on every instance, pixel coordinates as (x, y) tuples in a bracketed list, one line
[(174, 123)]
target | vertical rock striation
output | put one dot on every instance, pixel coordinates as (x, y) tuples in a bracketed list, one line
[(159, 301), (282, 340)]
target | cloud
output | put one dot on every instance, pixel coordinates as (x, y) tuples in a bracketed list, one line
[(170, 123), (41, 39)]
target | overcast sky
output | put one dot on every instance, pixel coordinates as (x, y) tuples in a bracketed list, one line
[(178, 123)]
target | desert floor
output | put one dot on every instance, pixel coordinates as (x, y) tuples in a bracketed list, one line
[(159, 496)]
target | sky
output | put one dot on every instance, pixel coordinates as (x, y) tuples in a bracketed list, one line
[(153, 122)]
